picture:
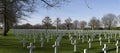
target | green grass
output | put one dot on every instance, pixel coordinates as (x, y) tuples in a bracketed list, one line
[(10, 44)]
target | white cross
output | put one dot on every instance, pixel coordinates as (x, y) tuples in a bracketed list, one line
[(75, 45), (35, 37), (70, 37), (31, 47), (108, 39), (117, 46), (55, 47), (82, 39), (85, 50), (48, 38), (24, 43), (100, 39), (42, 42), (79, 37), (105, 48), (105, 36), (89, 43)]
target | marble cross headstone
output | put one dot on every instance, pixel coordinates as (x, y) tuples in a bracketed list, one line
[(85, 50), (31, 47), (117, 46), (55, 47), (82, 39), (35, 38), (100, 39), (79, 37), (108, 39), (42, 42), (48, 37), (71, 39), (105, 48), (24, 43), (75, 45), (89, 42), (105, 35)]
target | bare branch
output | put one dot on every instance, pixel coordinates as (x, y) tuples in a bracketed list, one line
[(87, 4), (47, 3)]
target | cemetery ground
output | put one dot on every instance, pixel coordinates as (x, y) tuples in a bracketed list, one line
[(11, 44)]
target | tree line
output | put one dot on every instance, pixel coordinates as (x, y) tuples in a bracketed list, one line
[(109, 21), (12, 11)]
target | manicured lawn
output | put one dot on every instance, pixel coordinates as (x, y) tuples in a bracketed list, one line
[(10, 44)]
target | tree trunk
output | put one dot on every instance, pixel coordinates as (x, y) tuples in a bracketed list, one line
[(8, 27), (4, 26), (5, 20)]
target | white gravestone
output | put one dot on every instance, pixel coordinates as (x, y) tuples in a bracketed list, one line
[(82, 39), (87, 36), (35, 37), (42, 42), (105, 35), (71, 39), (31, 47), (24, 43), (85, 50), (100, 39), (92, 37), (89, 42), (55, 47), (108, 39), (117, 46), (79, 37), (75, 45), (48, 38), (105, 48)]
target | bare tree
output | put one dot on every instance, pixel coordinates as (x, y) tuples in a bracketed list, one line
[(94, 23), (58, 23), (14, 10), (109, 20), (47, 22), (75, 24), (83, 24), (68, 23)]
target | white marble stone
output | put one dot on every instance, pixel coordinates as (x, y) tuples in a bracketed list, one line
[(89, 42), (31, 47), (55, 47), (100, 39), (75, 45), (42, 42), (105, 48), (117, 46), (85, 50)]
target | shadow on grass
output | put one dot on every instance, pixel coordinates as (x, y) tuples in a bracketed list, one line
[(108, 50)]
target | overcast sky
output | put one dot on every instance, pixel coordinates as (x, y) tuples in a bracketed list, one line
[(76, 10)]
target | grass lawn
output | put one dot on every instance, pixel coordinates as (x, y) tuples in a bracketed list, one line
[(10, 44)]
